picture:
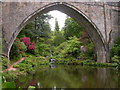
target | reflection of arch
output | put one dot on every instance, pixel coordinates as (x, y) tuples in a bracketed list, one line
[(80, 17)]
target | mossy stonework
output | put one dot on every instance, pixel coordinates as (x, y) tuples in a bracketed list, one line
[(99, 19)]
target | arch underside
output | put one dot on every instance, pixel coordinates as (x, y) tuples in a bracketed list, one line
[(101, 48)]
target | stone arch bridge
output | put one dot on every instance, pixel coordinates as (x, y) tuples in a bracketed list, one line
[(100, 19)]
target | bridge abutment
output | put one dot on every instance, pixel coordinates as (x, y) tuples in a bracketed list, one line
[(103, 55)]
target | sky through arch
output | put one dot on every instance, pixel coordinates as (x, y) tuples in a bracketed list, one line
[(60, 17)]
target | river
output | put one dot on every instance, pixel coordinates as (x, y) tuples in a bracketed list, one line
[(70, 76)]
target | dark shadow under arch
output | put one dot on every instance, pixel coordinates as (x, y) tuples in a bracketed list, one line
[(94, 33)]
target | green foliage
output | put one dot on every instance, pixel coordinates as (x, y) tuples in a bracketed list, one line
[(17, 49), (116, 48), (9, 85), (25, 67), (90, 50), (10, 75), (58, 36), (31, 87), (42, 49), (58, 39), (39, 27), (5, 63), (30, 63), (60, 49), (73, 47), (92, 63), (14, 53), (115, 53), (36, 30), (13, 86), (116, 59), (72, 28), (3, 79), (56, 26), (22, 47)]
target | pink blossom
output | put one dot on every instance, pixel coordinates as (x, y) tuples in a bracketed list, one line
[(25, 40), (32, 43), (31, 47), (27, 43), (21, 51)]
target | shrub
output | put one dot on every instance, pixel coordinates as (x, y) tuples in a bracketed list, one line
[(60, 49), (58, 39), (31, 46), (17, 49), (5, 63), (20, 46), (9, 85), (115, 59), (116, 49), (90, 49), (73, 46), (115, 53), (43, 49), (10, 75), (26, 41)]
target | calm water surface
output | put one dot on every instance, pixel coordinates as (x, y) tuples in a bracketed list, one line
[(71, 76)]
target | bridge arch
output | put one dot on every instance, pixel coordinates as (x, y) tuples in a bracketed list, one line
[(94, 33)]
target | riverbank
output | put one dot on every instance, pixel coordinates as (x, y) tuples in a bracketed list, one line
[(28, 65), (69, 76), (11, 67)]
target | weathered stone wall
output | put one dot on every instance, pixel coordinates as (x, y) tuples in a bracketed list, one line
[(0, 28), (118, 25), (112, 23), (15, 12), (119, 19), (100, 20)]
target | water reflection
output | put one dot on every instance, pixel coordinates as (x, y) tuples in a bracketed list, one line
[(38, 85), (70, 76), (52, 66)]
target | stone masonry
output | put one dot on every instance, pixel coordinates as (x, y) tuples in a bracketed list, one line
[(100, 19)]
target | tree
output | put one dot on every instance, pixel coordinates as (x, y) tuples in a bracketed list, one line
[(72, 28), (58, 39), (56, 26), (42, 25), (39, 27), (58, 35)]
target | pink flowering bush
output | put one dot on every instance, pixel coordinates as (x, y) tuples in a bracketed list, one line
[(27, 43), (18, 49), (21, 46), (30, 45), (25, 40)]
